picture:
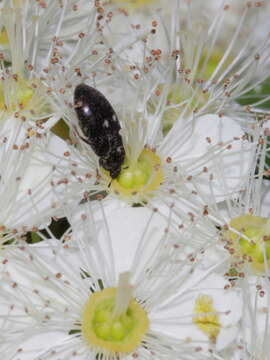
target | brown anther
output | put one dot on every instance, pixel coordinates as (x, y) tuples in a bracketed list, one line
[(205, 210), (261, 141), (101, 197), (54, 60), (100, 10)]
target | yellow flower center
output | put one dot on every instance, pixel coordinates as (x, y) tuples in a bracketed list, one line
[(140, 178), (188, 95), (206, 317), (15, 94), (116, 333), (182, 98), (254, 245)]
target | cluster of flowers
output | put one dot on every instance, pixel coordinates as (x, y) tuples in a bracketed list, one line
[(134, 180)]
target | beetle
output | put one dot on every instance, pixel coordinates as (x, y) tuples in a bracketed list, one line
[(100, 127)]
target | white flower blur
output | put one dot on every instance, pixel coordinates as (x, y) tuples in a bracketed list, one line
[(47, 295)]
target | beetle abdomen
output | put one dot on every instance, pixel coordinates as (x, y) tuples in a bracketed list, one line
[(100, 126)]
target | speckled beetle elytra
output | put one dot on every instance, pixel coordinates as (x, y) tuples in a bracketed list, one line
[(100, 127)]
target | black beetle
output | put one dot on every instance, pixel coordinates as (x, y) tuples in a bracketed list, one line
[(100, 126)]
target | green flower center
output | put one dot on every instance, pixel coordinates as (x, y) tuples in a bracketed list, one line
[(255, 245), (18, 93), (188, 96), (140, 178), (117, 333), (107, 327), (182, 98), (137, 175), (15, 94)]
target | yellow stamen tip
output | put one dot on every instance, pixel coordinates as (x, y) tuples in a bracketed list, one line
[(206, 317), (3, 37)]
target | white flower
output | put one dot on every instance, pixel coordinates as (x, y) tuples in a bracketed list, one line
[(242, 222), (204, 60), (25, 191), (43, 26), (36, 38), (52, 295), (158, 170)]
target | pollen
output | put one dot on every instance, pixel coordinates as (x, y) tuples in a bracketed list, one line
[(102, 327), (141, 177), (251, 243), (206, 317)]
